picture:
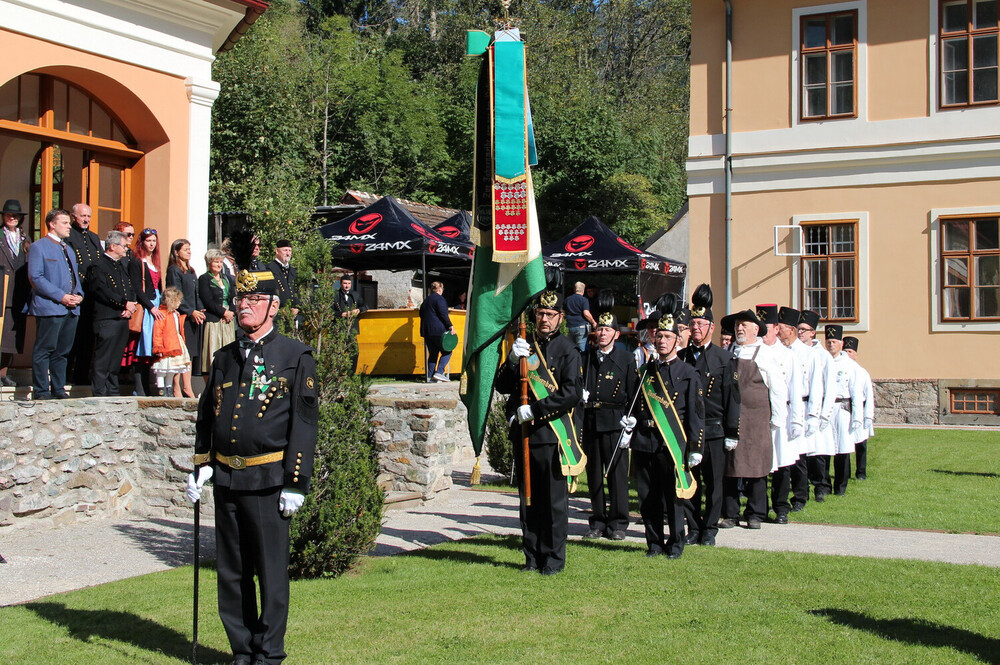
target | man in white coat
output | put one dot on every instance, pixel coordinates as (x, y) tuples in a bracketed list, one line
[(811, 391), (818, 426), (868, 410), (847, 416), (787, 439)]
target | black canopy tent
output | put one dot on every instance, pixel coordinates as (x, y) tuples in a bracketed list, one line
[(385, 236), (593, 247), (456, 227)]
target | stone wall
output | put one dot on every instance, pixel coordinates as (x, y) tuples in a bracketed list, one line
[(906, 401), (421, 431), (63, 461)]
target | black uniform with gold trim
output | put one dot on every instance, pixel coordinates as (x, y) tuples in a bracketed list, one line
[(545, 523), (653, 462), (611, 381), (257, 426)]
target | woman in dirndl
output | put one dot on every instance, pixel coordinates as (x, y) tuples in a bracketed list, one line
[(144, 270), (216, 288)]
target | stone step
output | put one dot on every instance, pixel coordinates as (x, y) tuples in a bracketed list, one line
[(403, 500)]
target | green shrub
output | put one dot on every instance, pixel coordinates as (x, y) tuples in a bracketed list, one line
[(342, 515), (499, 452)]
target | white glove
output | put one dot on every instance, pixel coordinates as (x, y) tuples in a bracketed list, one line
[(625, 440), (628, 423), (586, 396), (868, 424), (731, 443), (855, 426), (824, 423), (524, 413), (694, 459), (794, 431), (193, 487), (811, 426), (290, 501), (520, 349)]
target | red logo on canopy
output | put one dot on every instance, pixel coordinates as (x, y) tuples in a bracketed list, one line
[(624, 244), (357, 248), (449, 231), (580, 264), (432, 246), (422, 231), (642, 264), (579, 243), (365, 223)]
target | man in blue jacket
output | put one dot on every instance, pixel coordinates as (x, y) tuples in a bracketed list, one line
[(434, 323), (56, 295)]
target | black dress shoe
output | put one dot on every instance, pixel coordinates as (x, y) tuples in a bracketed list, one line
[(820, 497), (593, 533), (858, 477), (241, 660), (528, 568), (798, 507), (61, 395), (753, 523), (39, 397), (651, 553), (674, 555), (617, 534), (708, 541), (692, 538), (552, 570), (782, 518), (728, 523), (841, 493)]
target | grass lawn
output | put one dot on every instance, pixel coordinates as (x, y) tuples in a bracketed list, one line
[(947, 480), (466, 602)]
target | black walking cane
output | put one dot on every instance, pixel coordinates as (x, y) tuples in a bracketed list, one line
[(197, 563), (635, 398)]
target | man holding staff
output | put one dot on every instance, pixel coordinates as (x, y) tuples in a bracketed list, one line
[(546, 424), (256, 434)]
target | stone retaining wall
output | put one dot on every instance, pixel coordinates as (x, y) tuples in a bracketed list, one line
[(63, 461), (906, 401), (421, 431)]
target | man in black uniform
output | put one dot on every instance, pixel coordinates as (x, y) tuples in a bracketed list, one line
[(113, 302), (349, 305), (285, 274), (716, 368), (610, 381), (544, 523), (87, 246), (257, 426), (663, 441)]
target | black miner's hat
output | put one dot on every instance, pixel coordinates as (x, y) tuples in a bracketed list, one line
[(549, 300), (248, 280), (789, 316), (810, 318), (850, 344), (767, 313), (833, 331)]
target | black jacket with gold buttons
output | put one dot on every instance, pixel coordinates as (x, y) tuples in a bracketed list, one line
[(717, 369), (612, 384), (264, 405)]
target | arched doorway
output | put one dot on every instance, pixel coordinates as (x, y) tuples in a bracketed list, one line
[(79, 151)]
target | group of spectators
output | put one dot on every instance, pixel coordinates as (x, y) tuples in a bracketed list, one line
[(108, 306)]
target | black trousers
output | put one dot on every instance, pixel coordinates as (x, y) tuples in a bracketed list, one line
[(111, 336), (756, 491), (819, 473), (861, 459), (655, 476), (78, 371), (545, 523), (600, 447), (252, 539), (800, 481), (841, 472), (781, 484), (709, 476)]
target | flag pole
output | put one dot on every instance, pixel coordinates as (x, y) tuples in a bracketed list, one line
[(522, 331), (197, 564)]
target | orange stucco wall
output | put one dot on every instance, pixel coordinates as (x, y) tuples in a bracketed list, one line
[(900, 343), (897, 84), (153, 106)]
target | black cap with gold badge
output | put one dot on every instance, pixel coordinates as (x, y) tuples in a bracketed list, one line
[(249, 281)]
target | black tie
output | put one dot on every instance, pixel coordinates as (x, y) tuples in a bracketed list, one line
[(69, 263)]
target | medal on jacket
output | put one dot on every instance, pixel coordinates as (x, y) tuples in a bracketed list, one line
[(259, 383)]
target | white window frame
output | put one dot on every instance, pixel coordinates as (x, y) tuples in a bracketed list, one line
[(861, 6), (862, 248), (937, 325)]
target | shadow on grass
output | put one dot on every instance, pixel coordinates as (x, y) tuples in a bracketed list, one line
[(980, 474), (444, 553), (923, 633), (124, 627)]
